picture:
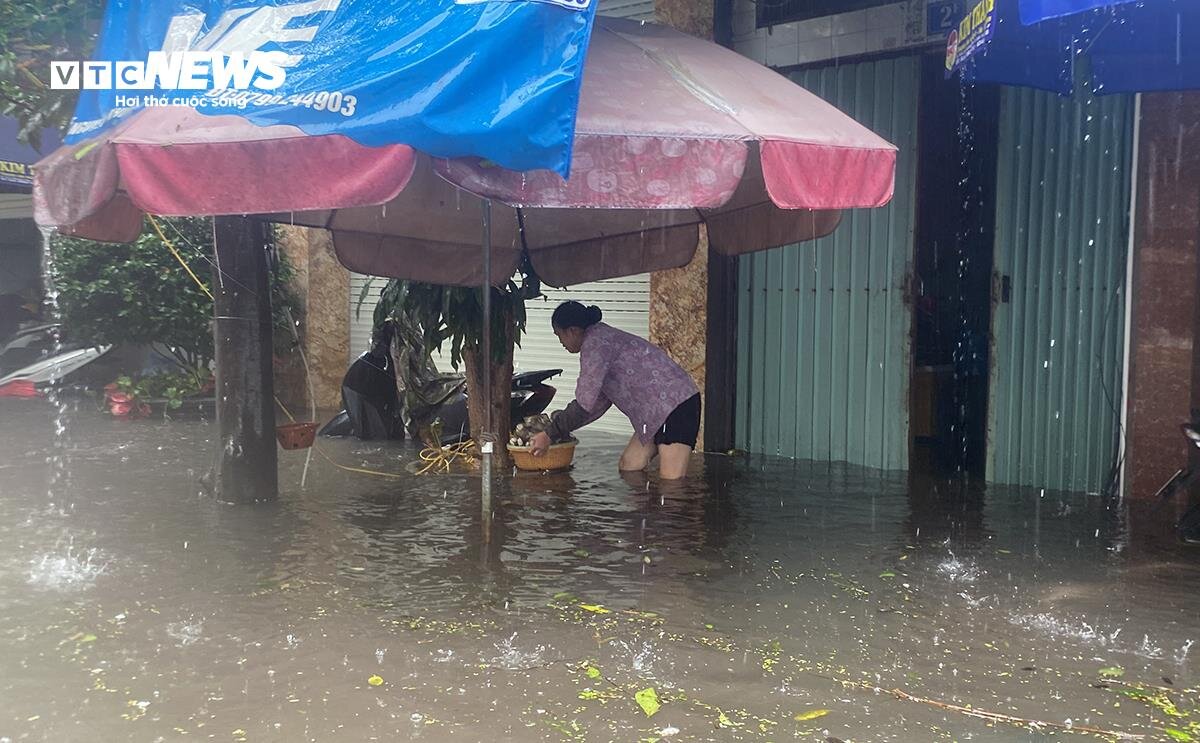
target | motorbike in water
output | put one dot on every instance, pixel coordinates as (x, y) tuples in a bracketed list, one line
[(1188, 526), (31, 356), (378, 402)]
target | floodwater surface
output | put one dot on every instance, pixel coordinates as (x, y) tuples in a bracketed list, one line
[(761, 600)]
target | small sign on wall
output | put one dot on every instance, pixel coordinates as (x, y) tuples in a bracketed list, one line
[(941, 16)]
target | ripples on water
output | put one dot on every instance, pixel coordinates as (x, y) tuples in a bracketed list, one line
[(136, 608), (66, 568)]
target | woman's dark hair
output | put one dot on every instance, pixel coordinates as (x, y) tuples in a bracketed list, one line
[(575, 315)]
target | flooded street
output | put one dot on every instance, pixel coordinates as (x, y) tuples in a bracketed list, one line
[(762, 600)]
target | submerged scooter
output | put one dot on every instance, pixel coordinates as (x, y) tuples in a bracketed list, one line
[(372, 404), (32, 355), (1188, 526)]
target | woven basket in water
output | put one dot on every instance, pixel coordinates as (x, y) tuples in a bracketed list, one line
[(558, 457)]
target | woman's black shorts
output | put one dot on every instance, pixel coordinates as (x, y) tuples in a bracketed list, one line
[(682, 425)]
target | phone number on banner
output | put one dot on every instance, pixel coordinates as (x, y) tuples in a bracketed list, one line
[(325, 100)]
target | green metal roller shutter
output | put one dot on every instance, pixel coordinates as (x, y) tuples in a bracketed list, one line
[(823, 328), (1062, 209)]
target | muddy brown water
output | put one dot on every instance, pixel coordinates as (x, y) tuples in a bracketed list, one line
[(133, 607)]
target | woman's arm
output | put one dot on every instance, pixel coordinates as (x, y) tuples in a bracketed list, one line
[(589, 403), (574, 417)]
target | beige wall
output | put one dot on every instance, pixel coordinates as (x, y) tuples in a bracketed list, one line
[(323, 288), (679, 298)]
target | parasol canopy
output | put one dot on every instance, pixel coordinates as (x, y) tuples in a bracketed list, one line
[(671, 132), (1035, 11)]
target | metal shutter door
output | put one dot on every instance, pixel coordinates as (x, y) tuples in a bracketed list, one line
[(641, 10), (362, 320), (823, 326), (1062, 209)]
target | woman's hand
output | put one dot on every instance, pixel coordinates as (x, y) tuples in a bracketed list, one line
[(539, 444)]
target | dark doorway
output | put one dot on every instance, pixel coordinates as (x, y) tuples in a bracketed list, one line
[(952, 284)]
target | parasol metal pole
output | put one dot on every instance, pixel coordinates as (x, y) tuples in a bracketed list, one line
[(488, 439)]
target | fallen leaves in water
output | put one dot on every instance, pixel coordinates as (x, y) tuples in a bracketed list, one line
[(375, 681), (647, 699), (812, 714), (723, 721), (1112, 672)]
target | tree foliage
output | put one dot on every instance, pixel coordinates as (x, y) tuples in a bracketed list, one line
[(32, 33), (138, 293), (454, 314)]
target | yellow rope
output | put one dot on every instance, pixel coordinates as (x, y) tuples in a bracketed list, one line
[(441, 457), (178, 257), (283, 407), (360, 470)]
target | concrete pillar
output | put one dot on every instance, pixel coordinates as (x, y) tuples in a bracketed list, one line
[(246, 469), (322, 286), (1165, 289), (693, 17)]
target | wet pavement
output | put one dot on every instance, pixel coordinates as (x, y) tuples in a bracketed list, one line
[(761, 600)]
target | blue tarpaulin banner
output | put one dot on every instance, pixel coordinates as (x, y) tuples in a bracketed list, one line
[(497, 79), (17, 158), (1152, 45), (1034, 11)]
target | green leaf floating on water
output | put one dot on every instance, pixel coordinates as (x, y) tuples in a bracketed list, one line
[(812, 714), (887, 574), (593, 672), (1112, 672), (1177, 734), (581, 553), (647, 699), (595, 608), (87, 638), (375, 681), (723, 721)]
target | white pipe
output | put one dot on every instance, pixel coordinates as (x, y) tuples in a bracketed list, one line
[(312, 397), (1123, 446)]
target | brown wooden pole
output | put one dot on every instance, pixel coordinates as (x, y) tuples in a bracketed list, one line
[(247, 467)]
